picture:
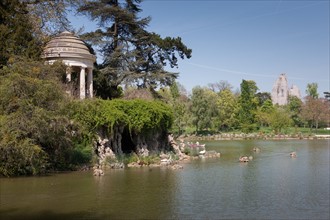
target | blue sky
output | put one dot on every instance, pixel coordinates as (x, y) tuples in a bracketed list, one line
[(251, 40)]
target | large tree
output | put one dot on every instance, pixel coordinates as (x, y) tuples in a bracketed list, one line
[(311, 90), (203, 108), (15, 32), (248, 105), (315, 111), (227, 104), (294, 107), (131, 54)]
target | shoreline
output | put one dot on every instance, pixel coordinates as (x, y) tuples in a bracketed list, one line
[(242, 136)]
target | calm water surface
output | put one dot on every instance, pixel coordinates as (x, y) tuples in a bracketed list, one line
[(272, 186)]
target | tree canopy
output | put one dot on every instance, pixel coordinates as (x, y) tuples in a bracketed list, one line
[(248, 105), (131, 54), (311, 90), (15, 32)]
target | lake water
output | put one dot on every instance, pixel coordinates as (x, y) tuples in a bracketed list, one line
[(271, 186)]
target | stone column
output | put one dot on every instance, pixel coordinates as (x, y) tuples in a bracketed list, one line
[(90, 82), (82, 85), (68, 74)]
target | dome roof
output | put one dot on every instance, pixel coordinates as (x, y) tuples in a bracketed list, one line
[(66, 45)]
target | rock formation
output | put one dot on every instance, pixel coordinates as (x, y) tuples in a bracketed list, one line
[(281, 92)]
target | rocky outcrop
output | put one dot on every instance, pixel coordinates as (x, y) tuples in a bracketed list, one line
[(108, 146), (281, 92)]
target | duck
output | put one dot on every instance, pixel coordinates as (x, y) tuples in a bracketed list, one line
[(243, 159), (293, 154)]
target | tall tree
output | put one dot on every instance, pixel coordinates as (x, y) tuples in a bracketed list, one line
[(203, 108), (130, 53), (15, 32), (315, 111), (294, 107), (311, 90), (227, 105), (248, 105)]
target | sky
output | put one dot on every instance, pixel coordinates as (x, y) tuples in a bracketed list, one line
[(250, 40)]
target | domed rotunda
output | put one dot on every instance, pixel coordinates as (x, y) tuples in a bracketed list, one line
[(74, 53)]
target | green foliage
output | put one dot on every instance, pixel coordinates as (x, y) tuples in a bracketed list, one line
[(20, 156), (138, 115), (227, 104), (34, 122), (15, 33), (248, 106), (132, 55), (311, 90), (267, 106), (263, 97), (294, 107), (128, 158), (203, 108), (179, 102), (134, 158), (36, 127), (280, 119)]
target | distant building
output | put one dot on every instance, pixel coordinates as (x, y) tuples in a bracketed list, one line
[(294, 91), (281, 92)]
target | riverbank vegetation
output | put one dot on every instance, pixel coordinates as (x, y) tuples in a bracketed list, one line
[(42, 129), (137, 102), (210, 111)]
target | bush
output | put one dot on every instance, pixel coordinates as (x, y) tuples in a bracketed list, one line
[(21, 157), (35, 129)]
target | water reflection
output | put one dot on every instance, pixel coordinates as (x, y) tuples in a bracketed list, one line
[(272, 186)]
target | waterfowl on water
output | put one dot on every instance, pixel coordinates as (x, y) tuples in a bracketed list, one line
[(293, 154), (243, 159)]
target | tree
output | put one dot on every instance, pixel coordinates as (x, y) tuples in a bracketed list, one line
[(294, 107), (131, 55), (15, 33), (36, 133), (264, 112), (220, 86), (263, 97), (280, 119), (248, 105), (315, 111), (203, 108), (227, 105), (180, 110), (311, 90)]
